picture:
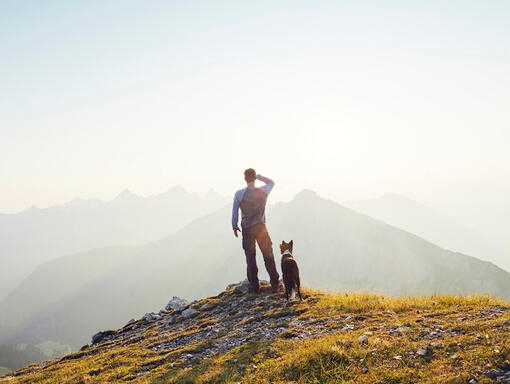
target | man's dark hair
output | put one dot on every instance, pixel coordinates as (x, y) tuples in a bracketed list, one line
[(250, 175)]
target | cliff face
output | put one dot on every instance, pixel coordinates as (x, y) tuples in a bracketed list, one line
[(239, 337)]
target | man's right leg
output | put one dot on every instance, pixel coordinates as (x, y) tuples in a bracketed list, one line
[(251, 262), (266, 247)]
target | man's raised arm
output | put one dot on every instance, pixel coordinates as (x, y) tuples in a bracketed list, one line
[(269, 183)]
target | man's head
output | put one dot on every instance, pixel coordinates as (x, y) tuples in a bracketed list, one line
[(250, 175)]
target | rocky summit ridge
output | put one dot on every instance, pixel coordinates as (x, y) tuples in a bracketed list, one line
[(238, 337)]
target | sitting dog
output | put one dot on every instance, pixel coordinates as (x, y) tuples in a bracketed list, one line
[(290, 271)]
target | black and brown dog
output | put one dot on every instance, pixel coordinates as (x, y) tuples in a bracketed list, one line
[(290, 270)]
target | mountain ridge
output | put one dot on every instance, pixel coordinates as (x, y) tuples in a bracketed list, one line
[(432, 225), (36, 235)]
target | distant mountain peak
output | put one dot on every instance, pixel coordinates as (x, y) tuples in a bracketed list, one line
[(307, 194), (176, 191), (79, 202), (177, 188), (212, 193), (76, 201), (126, 194), (33, 208)]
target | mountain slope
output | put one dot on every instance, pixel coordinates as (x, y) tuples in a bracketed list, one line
[(339, 248), (352, 338), (37, 235), (336, 248), (432, 225)]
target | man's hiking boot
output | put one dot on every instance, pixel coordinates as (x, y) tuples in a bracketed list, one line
[(277, 287), (254, 290)]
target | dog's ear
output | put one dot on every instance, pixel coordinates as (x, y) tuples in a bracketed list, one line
[(291, 245)]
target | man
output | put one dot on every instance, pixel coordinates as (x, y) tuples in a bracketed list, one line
[(252, 201)]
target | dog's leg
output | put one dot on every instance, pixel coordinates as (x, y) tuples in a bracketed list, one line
[(293, 294), (298, 284), (287, 287)]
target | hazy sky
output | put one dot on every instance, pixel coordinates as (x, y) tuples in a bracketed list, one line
[(349, 98)]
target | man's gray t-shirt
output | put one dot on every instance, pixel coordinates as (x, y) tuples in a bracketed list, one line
[(252, 202)]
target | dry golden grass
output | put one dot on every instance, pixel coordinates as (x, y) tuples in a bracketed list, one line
[(465, 336)]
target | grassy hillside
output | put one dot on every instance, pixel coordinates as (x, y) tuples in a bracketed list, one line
[(4, 371), (326, 338)]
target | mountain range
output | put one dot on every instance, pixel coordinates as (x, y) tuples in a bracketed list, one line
[(434, 226), (68, 299), (35, 236)]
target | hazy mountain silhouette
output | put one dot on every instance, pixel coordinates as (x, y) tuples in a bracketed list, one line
[(39, 235), (336, 248), (492, 222), (432, 225)]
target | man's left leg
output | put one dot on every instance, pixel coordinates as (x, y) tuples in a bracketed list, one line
[(266, 247), (251, 263)]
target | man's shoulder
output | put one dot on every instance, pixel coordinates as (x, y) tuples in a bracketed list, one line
[(240, 192)]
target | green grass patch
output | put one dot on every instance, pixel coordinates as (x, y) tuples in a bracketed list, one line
[(4, 371)]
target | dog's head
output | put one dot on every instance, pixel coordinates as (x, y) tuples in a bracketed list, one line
[(286, 247)]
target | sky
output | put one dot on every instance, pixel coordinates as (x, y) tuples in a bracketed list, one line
[(348, 98)]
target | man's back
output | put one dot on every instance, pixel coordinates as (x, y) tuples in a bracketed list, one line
[(253, 207), (252, 201)]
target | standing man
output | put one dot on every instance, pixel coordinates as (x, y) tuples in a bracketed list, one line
[(252, 201)]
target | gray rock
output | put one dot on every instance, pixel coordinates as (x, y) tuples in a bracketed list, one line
[(496, 374), (233, 285), (101, 336), (363, 339), (422, 352), (170, 320), (472, 381), (151, 316), (188, 312), (177, 304), (401, 329)]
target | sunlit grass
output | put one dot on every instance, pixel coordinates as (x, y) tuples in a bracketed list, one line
[(473, 339), (4, 370)]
